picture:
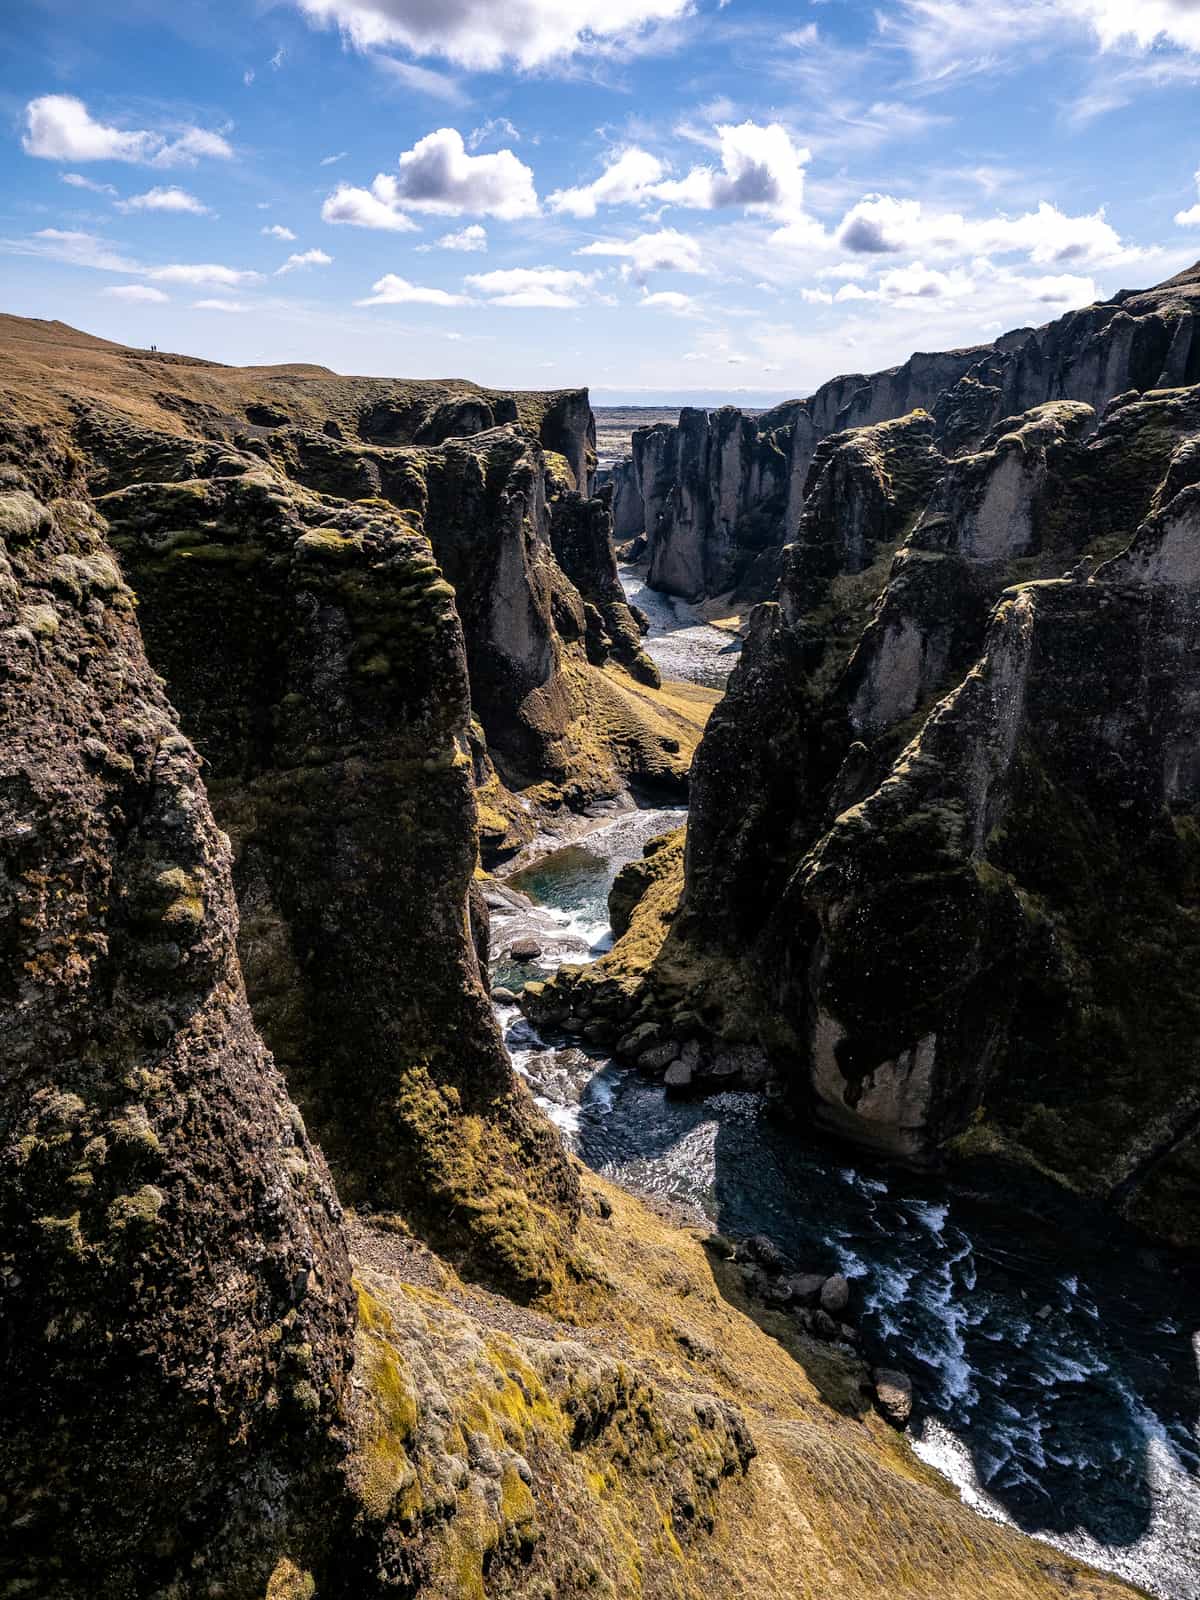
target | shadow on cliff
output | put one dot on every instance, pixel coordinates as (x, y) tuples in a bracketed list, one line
[(1055, 1349)]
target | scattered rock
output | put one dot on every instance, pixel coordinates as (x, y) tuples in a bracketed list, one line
[(504, 997), (525, 950), (678, 1076), (893, 1394), (721, 1247), (658, 1056), (835, 1295), (804, 1288), (763, 1250)]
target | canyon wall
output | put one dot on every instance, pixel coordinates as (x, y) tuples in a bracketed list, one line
[(721, 493), (940, 870), (238, 811)]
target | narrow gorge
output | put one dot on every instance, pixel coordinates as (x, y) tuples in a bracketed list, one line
[(556, 1023)]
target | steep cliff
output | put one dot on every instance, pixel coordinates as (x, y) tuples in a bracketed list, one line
[(941, 857), (717, 505), (174, 1283)]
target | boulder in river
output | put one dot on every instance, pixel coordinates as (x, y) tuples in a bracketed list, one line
[(678, 1077), (658, 1056), (835, 1295), (503, 997), (525, 950), (804, 1288)]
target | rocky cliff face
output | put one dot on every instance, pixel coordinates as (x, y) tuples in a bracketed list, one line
[(943, 827), (715, 513), (174, 1283)]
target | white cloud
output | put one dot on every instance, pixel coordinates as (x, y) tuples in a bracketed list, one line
[(493, 128), (1146, 23), (423, 80), (248, 76), (1191, 217), (439, 176), (277, 59), (75, 248), (883, 225), (483, 35), (59, 127), (328, 161), (164, 199), (391, 290), (220, 305), (366, 208), (276, 230), (624, 181), (304, 258), (472, 239), (203, 275), (952, 39), (78, 181), (816, 297), (668, 250), (1065, 289), (137, 292), (681, 305), (761, 170), (548, 288)]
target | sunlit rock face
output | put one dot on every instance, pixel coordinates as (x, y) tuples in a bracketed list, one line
[(722, 492), (946, 814)]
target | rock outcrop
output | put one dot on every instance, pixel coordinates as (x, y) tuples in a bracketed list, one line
[(723, 492), (942, 841), (174, 1283)]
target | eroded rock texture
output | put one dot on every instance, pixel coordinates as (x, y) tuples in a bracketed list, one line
[(722, 492), (174, 1284), (943, 832)]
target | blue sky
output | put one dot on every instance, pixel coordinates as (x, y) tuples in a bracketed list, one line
[(655, 197)]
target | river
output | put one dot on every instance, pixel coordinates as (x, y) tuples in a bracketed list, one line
[(1055, 1358)]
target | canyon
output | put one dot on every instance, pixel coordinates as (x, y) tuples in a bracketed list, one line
[(302, 1293)]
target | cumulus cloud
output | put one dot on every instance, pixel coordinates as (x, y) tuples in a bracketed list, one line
[(668, 250), (483, 35), (276, 230), (137, 292), (391, 290), (164, 199), (883, 225), (625, 181), (546, 288), (816, 297), (761, 170), (59, 127), (367, 208), (220, 305), (438, 175), (304, 258), (471, 239)]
